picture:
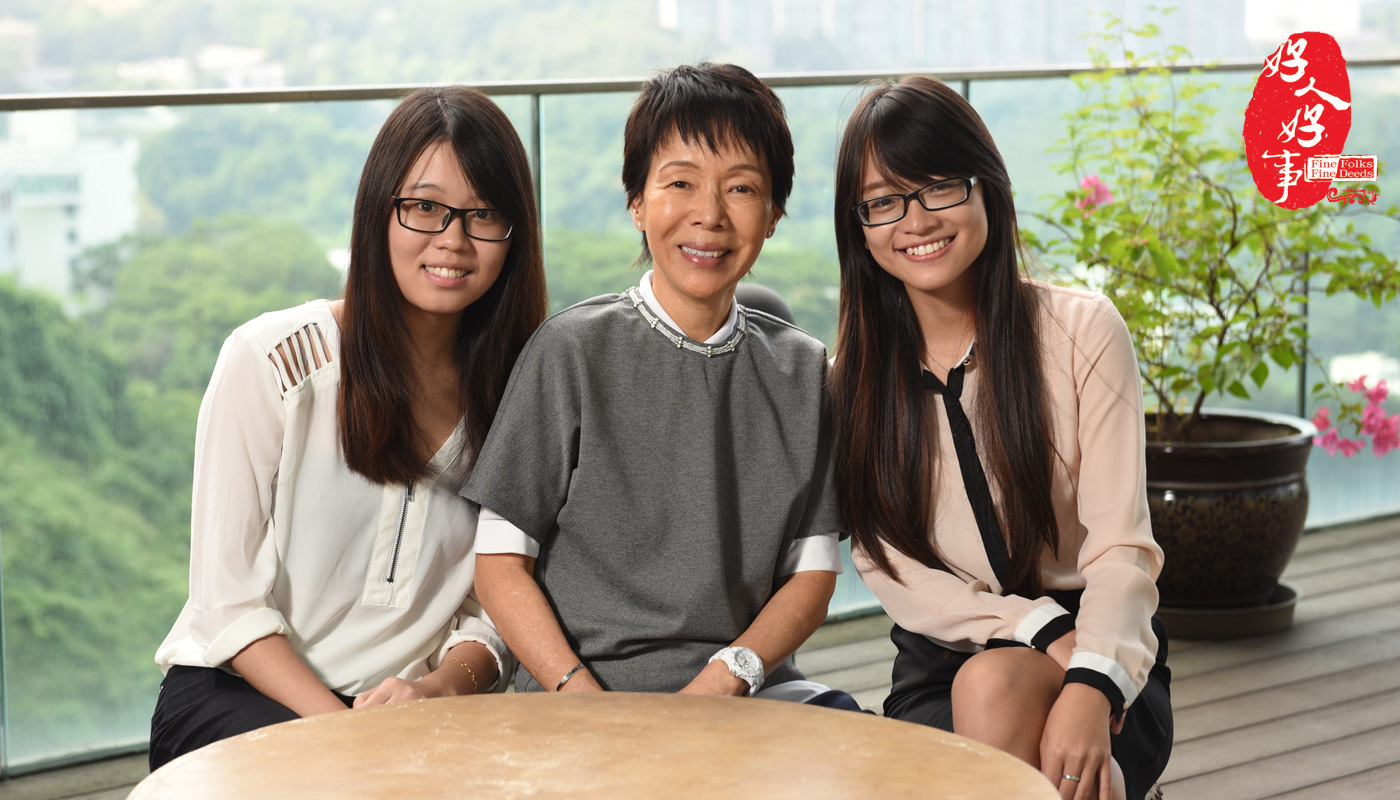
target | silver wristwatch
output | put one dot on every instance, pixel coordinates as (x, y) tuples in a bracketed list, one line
[(744, 664)]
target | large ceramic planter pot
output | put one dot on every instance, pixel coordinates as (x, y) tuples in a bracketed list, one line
[(1228, 507)]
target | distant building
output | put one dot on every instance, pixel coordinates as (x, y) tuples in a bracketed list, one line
[(46, 228), (161, 73), (902, 35), (739, 24), (7, 223), (20, 66), (19, 44), (240, 67), (19, 53), (1271, 21), (61, 193)]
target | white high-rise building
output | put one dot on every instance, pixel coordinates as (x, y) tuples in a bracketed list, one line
[(7, 223), (64, 192), (902, 35)]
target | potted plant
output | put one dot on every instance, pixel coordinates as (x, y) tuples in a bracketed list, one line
[(1212, 279)]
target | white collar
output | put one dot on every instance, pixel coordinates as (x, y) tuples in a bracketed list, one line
[(721, 336)]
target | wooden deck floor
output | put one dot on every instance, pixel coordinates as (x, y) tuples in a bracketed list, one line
[(1313, 712)]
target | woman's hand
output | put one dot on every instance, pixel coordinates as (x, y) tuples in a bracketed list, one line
[(1076, 742), (715, 679), (394, 690), (467, 668)]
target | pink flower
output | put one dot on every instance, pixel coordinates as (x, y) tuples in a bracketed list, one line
[(1372, 419), (1377, 395), (1321, 419), (1383, 430), (1328, 441), (1387, 438), (1098, 194)]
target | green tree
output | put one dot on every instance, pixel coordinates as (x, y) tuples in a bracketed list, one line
[(291, 163), (56, 384), (97, 421), (76, 493), (176, 298)]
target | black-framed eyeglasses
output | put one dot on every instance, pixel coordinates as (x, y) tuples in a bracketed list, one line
[(430, 216), (936, 196)]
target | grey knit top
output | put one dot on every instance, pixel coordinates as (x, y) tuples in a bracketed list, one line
[(663, 482)]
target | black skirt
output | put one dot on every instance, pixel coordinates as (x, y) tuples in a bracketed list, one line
[(201, 705), (923, 693)]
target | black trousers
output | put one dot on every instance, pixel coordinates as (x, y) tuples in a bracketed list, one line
[(923, 693), (198, 706)]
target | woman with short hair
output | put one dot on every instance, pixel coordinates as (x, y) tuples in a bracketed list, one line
[(331, 556), (657, 513)]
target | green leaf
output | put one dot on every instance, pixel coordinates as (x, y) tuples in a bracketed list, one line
[(1260, 373), (1206, 381), (1163, 259), (1283, 355), (1237, 389)]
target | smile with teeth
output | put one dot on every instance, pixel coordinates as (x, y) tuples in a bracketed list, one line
[(931, 247), (690, 251), (445, 272)]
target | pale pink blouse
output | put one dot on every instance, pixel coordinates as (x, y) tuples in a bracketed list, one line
[(1099, 493)]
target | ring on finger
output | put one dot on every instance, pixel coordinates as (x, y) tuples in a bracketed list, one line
[(1074, 778)]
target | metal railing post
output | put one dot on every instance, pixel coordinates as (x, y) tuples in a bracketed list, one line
[(1303, 352), (537, 155)]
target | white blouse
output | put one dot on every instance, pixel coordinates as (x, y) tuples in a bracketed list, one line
[(366, 581)]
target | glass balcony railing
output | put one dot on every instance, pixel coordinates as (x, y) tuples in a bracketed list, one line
[(137, 230)]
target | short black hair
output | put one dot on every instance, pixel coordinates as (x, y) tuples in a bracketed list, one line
[(718, 104)]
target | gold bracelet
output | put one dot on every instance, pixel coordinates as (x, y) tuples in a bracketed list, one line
[(469, 670)]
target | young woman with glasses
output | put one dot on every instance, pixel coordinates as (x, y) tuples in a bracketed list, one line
[(657, 512), (990, 459), (331, 556)]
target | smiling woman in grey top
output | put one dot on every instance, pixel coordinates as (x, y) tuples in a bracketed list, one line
[(657, 507)]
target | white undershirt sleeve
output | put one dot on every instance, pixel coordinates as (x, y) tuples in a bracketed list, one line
[(495, 534), (821, 552)]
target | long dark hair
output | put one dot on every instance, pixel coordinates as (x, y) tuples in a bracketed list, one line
[(378, 386), (915, 130)]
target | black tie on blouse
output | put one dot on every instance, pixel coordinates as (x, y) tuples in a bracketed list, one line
[(974, 479)]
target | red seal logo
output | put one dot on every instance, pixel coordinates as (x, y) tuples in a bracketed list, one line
[(1301, 109)]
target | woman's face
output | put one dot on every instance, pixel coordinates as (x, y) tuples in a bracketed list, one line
[(442, 273), (705, 214), (931, 252)]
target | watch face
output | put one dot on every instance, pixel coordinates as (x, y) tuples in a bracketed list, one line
[(748, 661)]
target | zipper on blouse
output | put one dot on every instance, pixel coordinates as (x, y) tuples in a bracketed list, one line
[(398, 537)]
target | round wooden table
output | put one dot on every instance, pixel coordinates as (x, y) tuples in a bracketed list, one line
[(614, 745)]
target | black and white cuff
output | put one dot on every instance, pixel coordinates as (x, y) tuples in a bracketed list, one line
[(1107, 676), (1043, 625)]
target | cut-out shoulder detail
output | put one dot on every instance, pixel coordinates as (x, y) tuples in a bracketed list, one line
[(300, 355)]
